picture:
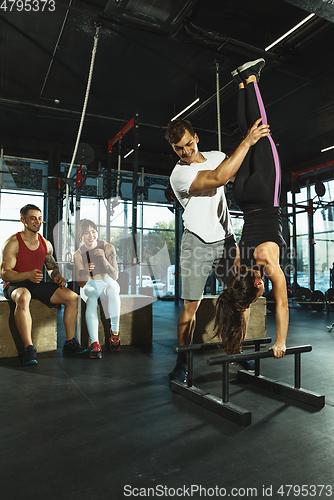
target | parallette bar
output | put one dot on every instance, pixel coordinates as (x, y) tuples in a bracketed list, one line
[(198, 347), (195, 347), (235, 358)]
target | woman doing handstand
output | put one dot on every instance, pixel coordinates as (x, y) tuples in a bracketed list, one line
[(256, 190)]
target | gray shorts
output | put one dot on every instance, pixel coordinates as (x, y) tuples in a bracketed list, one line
[(199, 259)]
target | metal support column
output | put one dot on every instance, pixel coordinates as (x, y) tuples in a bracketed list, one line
[(141, 239), (297, 370), (135, 179), (310, 238), (77, 206), (177, 252), (226, 382), (190, 363), (294, 242)]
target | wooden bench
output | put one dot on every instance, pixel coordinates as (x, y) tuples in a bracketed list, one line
[(44, 328), (136, 323), (205, 316)]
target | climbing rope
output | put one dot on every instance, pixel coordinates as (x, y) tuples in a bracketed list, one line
[(96, 39)]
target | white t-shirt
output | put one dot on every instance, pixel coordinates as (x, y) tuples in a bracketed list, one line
[(206, 213)]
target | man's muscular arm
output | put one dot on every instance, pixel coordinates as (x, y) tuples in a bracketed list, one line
[(210, 179), (52, 266), (9, 257), (50, 262)]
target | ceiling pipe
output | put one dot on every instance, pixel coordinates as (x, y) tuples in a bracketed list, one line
[(90, 115), (227, 41), (210, 101), (55, 50)]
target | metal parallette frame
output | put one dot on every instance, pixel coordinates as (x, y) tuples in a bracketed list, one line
[(223, 406)]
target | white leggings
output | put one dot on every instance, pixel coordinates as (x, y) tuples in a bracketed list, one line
[(108, 291)]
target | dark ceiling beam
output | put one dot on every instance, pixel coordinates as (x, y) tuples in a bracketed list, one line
[(225, 41), (59, 111), (40, 150), (322, 8), (25, 35), (39, 46), (55, 110), (313, 29), (305, 35), (110, 22), (210, 101)]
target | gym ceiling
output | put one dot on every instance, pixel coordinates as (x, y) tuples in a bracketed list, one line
[(153, 58)]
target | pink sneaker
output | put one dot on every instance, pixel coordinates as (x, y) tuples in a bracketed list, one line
[(95, 351), (114, 342)]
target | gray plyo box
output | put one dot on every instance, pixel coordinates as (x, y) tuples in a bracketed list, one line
[(44, 328), (205, 317), (136, 322)]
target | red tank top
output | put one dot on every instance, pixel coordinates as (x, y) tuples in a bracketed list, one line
[(27, 259)]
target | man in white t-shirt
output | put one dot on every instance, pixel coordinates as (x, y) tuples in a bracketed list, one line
[(208, 243)]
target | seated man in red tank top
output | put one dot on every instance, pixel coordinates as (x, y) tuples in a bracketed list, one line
[(23, 257)]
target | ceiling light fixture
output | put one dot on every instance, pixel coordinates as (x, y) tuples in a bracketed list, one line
[(326, 149), (185, 109), (290, 31), (128, 154), (56, 101)]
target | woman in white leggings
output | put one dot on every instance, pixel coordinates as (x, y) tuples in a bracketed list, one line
[(97, 272)]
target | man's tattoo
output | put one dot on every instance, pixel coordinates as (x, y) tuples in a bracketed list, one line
[(51, 265)]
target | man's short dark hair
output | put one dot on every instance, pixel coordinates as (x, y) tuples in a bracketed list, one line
[(24, 210), (84, 226), (176, 130)]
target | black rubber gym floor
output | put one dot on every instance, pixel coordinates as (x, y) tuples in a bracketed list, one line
[(76, 428)]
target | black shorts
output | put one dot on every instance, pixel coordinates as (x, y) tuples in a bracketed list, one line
[(41, 291)]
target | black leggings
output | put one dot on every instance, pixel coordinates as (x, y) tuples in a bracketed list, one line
[(257, 184)]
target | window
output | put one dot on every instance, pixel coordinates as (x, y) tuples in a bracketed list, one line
[(323, 238), (302, 250), (323, 227), (154, 254)]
